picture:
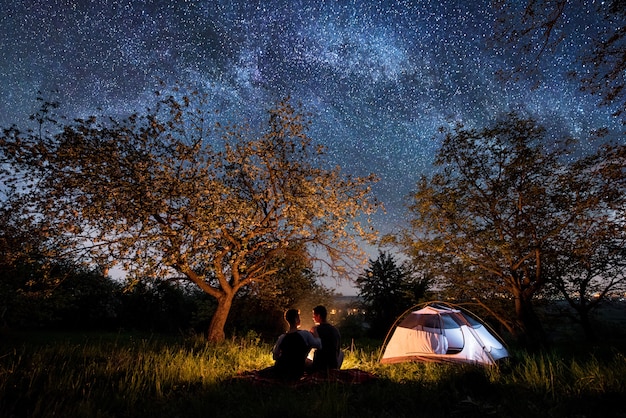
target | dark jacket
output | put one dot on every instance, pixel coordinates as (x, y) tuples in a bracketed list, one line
[(326, 357), (290, 364)]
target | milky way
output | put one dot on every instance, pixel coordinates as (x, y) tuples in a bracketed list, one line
[(379, 76)]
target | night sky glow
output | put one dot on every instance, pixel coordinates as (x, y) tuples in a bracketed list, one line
[(379, 76)]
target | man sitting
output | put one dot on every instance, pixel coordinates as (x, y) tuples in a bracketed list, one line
[(330, 355), (291, 349)]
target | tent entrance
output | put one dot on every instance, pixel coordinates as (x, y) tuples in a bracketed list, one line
[(439, 332)]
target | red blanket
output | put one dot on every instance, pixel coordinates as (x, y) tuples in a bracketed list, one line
[(347, 376)]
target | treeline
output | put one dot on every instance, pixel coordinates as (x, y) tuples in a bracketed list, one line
[(62, 296)]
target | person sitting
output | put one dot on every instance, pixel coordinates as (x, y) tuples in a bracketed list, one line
[(330, 355), (291, 349)]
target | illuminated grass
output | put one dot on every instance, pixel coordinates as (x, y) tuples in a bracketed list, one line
[(129, 376)]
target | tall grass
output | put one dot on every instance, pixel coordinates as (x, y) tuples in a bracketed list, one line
[(558, 377), (128, 376), (73, 377)]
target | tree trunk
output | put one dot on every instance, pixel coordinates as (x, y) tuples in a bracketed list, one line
[(531, 334), (216, 327), (585, 322)]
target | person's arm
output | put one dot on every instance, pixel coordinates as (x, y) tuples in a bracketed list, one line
[(311, 340), (276, 349)]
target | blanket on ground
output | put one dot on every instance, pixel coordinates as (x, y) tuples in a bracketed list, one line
[(346, 376)]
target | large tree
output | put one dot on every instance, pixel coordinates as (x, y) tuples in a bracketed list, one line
[(172, 193), (589, 265), (495, 214), (387, 289)]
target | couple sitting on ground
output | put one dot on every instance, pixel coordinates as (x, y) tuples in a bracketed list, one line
[(293, 347)]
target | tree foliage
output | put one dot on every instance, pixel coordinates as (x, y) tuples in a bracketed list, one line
[(493, 220), (295, 284), (533, 30), (387, 290), (27, 275), (171, 193), (589, 263)]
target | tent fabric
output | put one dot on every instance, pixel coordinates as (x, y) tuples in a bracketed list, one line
[(444, 334)]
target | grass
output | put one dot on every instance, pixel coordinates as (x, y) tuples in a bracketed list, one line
[(125, 375)]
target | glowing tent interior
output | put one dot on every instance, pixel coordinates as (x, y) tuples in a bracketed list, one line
[(439, 332)]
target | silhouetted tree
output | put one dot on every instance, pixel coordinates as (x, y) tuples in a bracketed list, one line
[(159, 305), (491, 222), (530, 33), (28, 273), (590, 258), (388, 289)]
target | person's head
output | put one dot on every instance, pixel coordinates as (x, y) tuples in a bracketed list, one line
[(320, 314), (292, 316)]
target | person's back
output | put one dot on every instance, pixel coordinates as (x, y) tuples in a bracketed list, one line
[(290, 365), (291, 350)]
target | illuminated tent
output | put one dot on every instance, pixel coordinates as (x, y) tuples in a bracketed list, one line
[(442, 333)]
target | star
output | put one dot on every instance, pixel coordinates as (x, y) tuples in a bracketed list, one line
[(380, 77)]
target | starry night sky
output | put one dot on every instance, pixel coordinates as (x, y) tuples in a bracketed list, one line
[(379, 76)]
